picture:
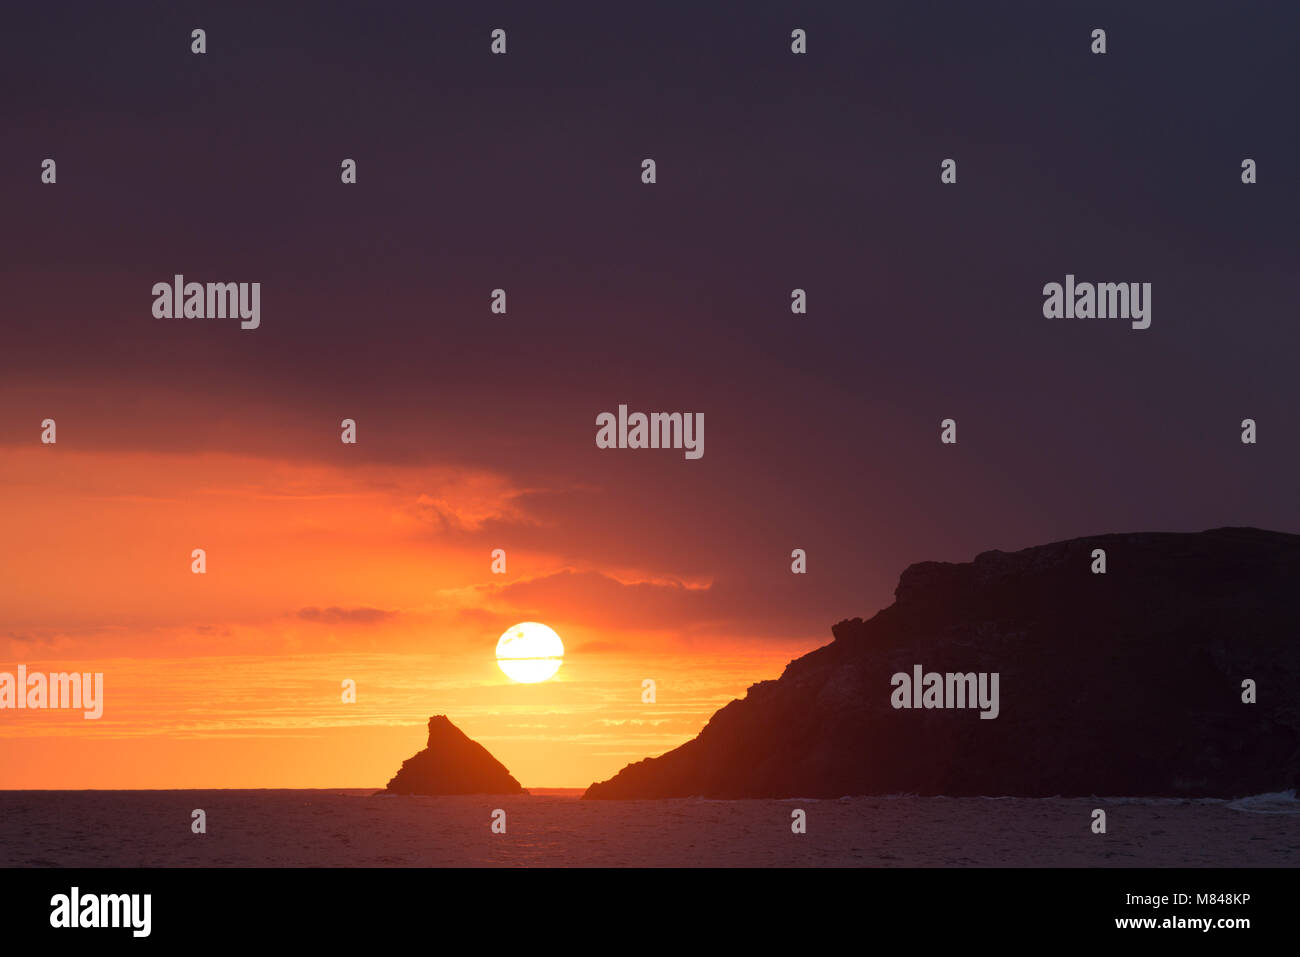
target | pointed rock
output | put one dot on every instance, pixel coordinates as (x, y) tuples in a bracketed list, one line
[(452, 763)]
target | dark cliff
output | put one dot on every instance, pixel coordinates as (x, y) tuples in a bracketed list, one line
[(451, 763), (1123, 683)]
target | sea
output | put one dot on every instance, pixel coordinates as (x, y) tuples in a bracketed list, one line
[(554, 828)]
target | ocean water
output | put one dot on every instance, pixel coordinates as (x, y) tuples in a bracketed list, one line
[(357, 828)]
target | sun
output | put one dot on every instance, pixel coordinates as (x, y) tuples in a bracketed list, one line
[(530, 652)]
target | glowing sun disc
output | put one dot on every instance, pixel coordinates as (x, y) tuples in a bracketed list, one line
[(530, 652)]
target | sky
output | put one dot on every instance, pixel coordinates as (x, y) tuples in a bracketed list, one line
[(372, 561)]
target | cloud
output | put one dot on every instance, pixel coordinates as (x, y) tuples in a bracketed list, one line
[(767, 608), (600, 647), (346, 616)]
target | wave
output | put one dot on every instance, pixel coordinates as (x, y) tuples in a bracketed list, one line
[(1277, 802)]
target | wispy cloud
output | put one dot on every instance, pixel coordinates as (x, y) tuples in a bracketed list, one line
[(349, 616)]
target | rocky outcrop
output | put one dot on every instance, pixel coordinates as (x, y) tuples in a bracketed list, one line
[(451, 763), (1123, 683)]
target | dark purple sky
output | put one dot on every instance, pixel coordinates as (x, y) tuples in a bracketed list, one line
[(775, 171)]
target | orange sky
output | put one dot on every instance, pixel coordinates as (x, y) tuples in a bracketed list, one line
[(318, 573)]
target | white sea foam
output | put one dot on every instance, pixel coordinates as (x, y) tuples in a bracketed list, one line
[(1277, 802)]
